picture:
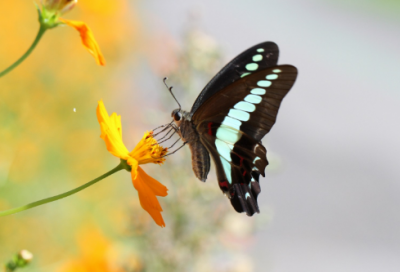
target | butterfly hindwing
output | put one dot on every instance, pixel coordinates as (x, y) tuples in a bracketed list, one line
[(239, 149), (256, 58), (236, 169)]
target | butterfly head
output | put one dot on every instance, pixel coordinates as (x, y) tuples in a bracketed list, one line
[(179, 116)]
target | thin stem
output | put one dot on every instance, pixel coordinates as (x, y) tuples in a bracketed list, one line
[(39, 35), (57, 197)]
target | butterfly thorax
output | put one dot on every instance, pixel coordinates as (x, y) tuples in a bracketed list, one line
[(187, 130)]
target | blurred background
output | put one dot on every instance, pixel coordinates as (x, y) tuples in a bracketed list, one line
[(330, 197)]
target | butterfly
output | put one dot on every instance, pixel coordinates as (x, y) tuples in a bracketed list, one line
[(230, 117)]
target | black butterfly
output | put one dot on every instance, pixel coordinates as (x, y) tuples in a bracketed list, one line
[(231, 116)]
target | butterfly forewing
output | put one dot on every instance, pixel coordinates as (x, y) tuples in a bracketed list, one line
[(256, 58), (250, 104)]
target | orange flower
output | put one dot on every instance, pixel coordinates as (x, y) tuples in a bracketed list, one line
[(97, 254), (146, 151), (50, 17)]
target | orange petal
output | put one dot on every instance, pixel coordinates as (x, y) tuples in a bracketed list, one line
[(87, 39), (148, 199), (157, 188)]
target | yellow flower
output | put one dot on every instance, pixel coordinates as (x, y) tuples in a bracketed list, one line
[(146, 151), (50, 17)]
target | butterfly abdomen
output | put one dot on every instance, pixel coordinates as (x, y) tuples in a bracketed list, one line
[(200, 156), (200, 160)]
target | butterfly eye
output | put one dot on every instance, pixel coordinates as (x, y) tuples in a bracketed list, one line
[(177, 116)]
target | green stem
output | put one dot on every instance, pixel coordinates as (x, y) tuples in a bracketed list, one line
[(57, 197), (42, 29)]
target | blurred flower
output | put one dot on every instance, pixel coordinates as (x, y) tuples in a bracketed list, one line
[(146, 151), (237, 233), (203, 52), (96, 254), (20, 260), (49, 17)]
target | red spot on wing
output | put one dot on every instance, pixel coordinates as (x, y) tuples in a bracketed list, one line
[(209, 128), (241, 160), (244, 173), (223, 184)]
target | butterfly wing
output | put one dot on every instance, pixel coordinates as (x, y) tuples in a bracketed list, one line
[(256, 58), (238, 164), (231, 124)]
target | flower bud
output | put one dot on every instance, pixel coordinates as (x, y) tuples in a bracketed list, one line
[(25, 255), (22, 259), (58, 6)]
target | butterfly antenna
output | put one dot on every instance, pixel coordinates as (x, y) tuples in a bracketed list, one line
[(170, 90)]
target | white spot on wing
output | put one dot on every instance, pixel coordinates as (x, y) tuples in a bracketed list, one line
[(271, 77), (228, 169), (257, 57), (264, 83), (224, 149), (231, 122), (228, 134), (240, 115), (252, 66), (258, 91), (245, 106), (255, 99)]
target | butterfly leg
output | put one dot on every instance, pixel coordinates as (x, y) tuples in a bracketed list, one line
[(165, 127), (173, 152), (162, 139)]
